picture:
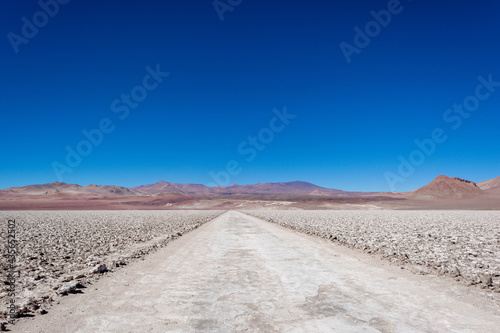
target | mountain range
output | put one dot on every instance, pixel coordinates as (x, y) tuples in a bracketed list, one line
[(289, 188), (162, 193)]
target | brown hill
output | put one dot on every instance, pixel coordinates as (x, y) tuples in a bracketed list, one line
[(107, 190), (50, 188), (58, 187), (444, 187), (162, 188), (491, 186)]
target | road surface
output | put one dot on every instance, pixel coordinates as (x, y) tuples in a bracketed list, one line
[(238, 273)]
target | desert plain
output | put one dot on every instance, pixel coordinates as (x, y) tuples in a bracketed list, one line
[(257, 270)]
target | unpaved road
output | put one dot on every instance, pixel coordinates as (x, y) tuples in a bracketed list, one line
[(238, 273)]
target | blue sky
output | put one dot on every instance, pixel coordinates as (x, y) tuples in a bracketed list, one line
[(353, 120)]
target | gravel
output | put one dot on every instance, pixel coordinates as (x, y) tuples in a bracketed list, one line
[(61, 251), (464, 245)]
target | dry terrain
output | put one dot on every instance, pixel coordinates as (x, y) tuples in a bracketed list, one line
[(462, 244), (60, 251), (239, 273)]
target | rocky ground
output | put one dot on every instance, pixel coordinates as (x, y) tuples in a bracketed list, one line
[(60, 252), (238, 273), (462, 244)]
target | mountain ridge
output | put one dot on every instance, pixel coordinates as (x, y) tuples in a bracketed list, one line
[(440, 187)]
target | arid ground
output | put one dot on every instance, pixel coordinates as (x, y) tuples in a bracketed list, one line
[(241, 273)]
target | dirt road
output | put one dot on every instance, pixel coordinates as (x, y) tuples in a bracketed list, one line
[(238, 273)]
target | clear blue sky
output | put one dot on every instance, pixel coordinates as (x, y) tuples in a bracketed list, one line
[(352, 121)]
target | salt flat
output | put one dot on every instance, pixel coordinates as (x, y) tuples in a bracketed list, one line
[(464, 245), (239, 273)]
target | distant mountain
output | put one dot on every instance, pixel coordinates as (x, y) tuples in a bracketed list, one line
[(58, 187), (441, 187), (162, 187), (492, 185), (296, 188), (50, 188), (107, 190), (444, 187)]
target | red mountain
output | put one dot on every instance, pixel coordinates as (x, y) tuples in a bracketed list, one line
[(444, 187)]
